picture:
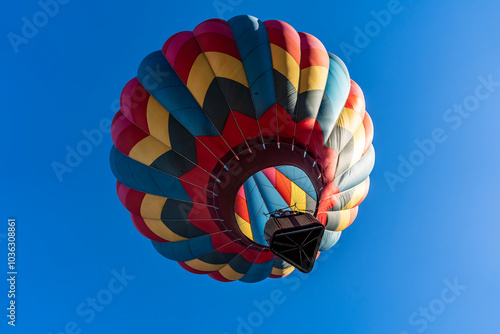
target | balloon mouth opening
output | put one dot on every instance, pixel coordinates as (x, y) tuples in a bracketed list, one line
[(271, 190), (262, 181)]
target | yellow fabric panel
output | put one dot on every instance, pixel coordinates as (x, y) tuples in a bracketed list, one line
[(245, 227), (147, 150), (157, 117), (200, 78), (313, 77), (358, 193), (226, 66), (158, 228), (203, 266), (152, 206), (230, 274), (298, 198), (284, 63), (345, 217), (359, 145), (349, 120), (282, 272)]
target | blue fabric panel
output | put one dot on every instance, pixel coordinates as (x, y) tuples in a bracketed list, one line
[(135, 175), (357, 173), (329, 239), (253, 44), (185, 250), (258, 272), (256, 209), (217, 257), (272, 198), (159, 78), (337, 90), (240, 264), (299, 177)]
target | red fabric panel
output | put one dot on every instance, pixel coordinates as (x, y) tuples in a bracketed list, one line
[(329, 197), (118, 125), (125, 134), (216, 26), (286, 125), (131, 199), (284, 35), (268, 125), (197, 176), (207, 225), (368, 125), (313, 52), (231, 133), (270, 173), (197, 195), (322, 218), (204, 157), (181, 50), (134, 103), (248, 125), (191, 270), (241, 208), (327, 162), (215, 144), (316, 141), (356, 100), (225, 243), (284, 187), (213, 42), (216, 36), (264, 256), (303, 132), (353, 213), (218, 276)]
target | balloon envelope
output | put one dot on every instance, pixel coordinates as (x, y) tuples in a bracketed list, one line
[(232, 121)]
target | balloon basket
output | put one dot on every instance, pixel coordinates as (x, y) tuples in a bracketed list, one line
[(295, 238)]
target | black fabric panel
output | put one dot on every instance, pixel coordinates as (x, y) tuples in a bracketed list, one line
[(325, 118), (176, 210), (173, 164), (286, 94), (238, 96), (309, 103), (240, 264), (183, 228), (181, 140), (215, 106), (217, 257)]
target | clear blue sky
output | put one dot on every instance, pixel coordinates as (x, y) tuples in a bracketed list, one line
[(437, 222)]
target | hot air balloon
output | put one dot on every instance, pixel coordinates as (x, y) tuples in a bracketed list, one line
[(236, 133)]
